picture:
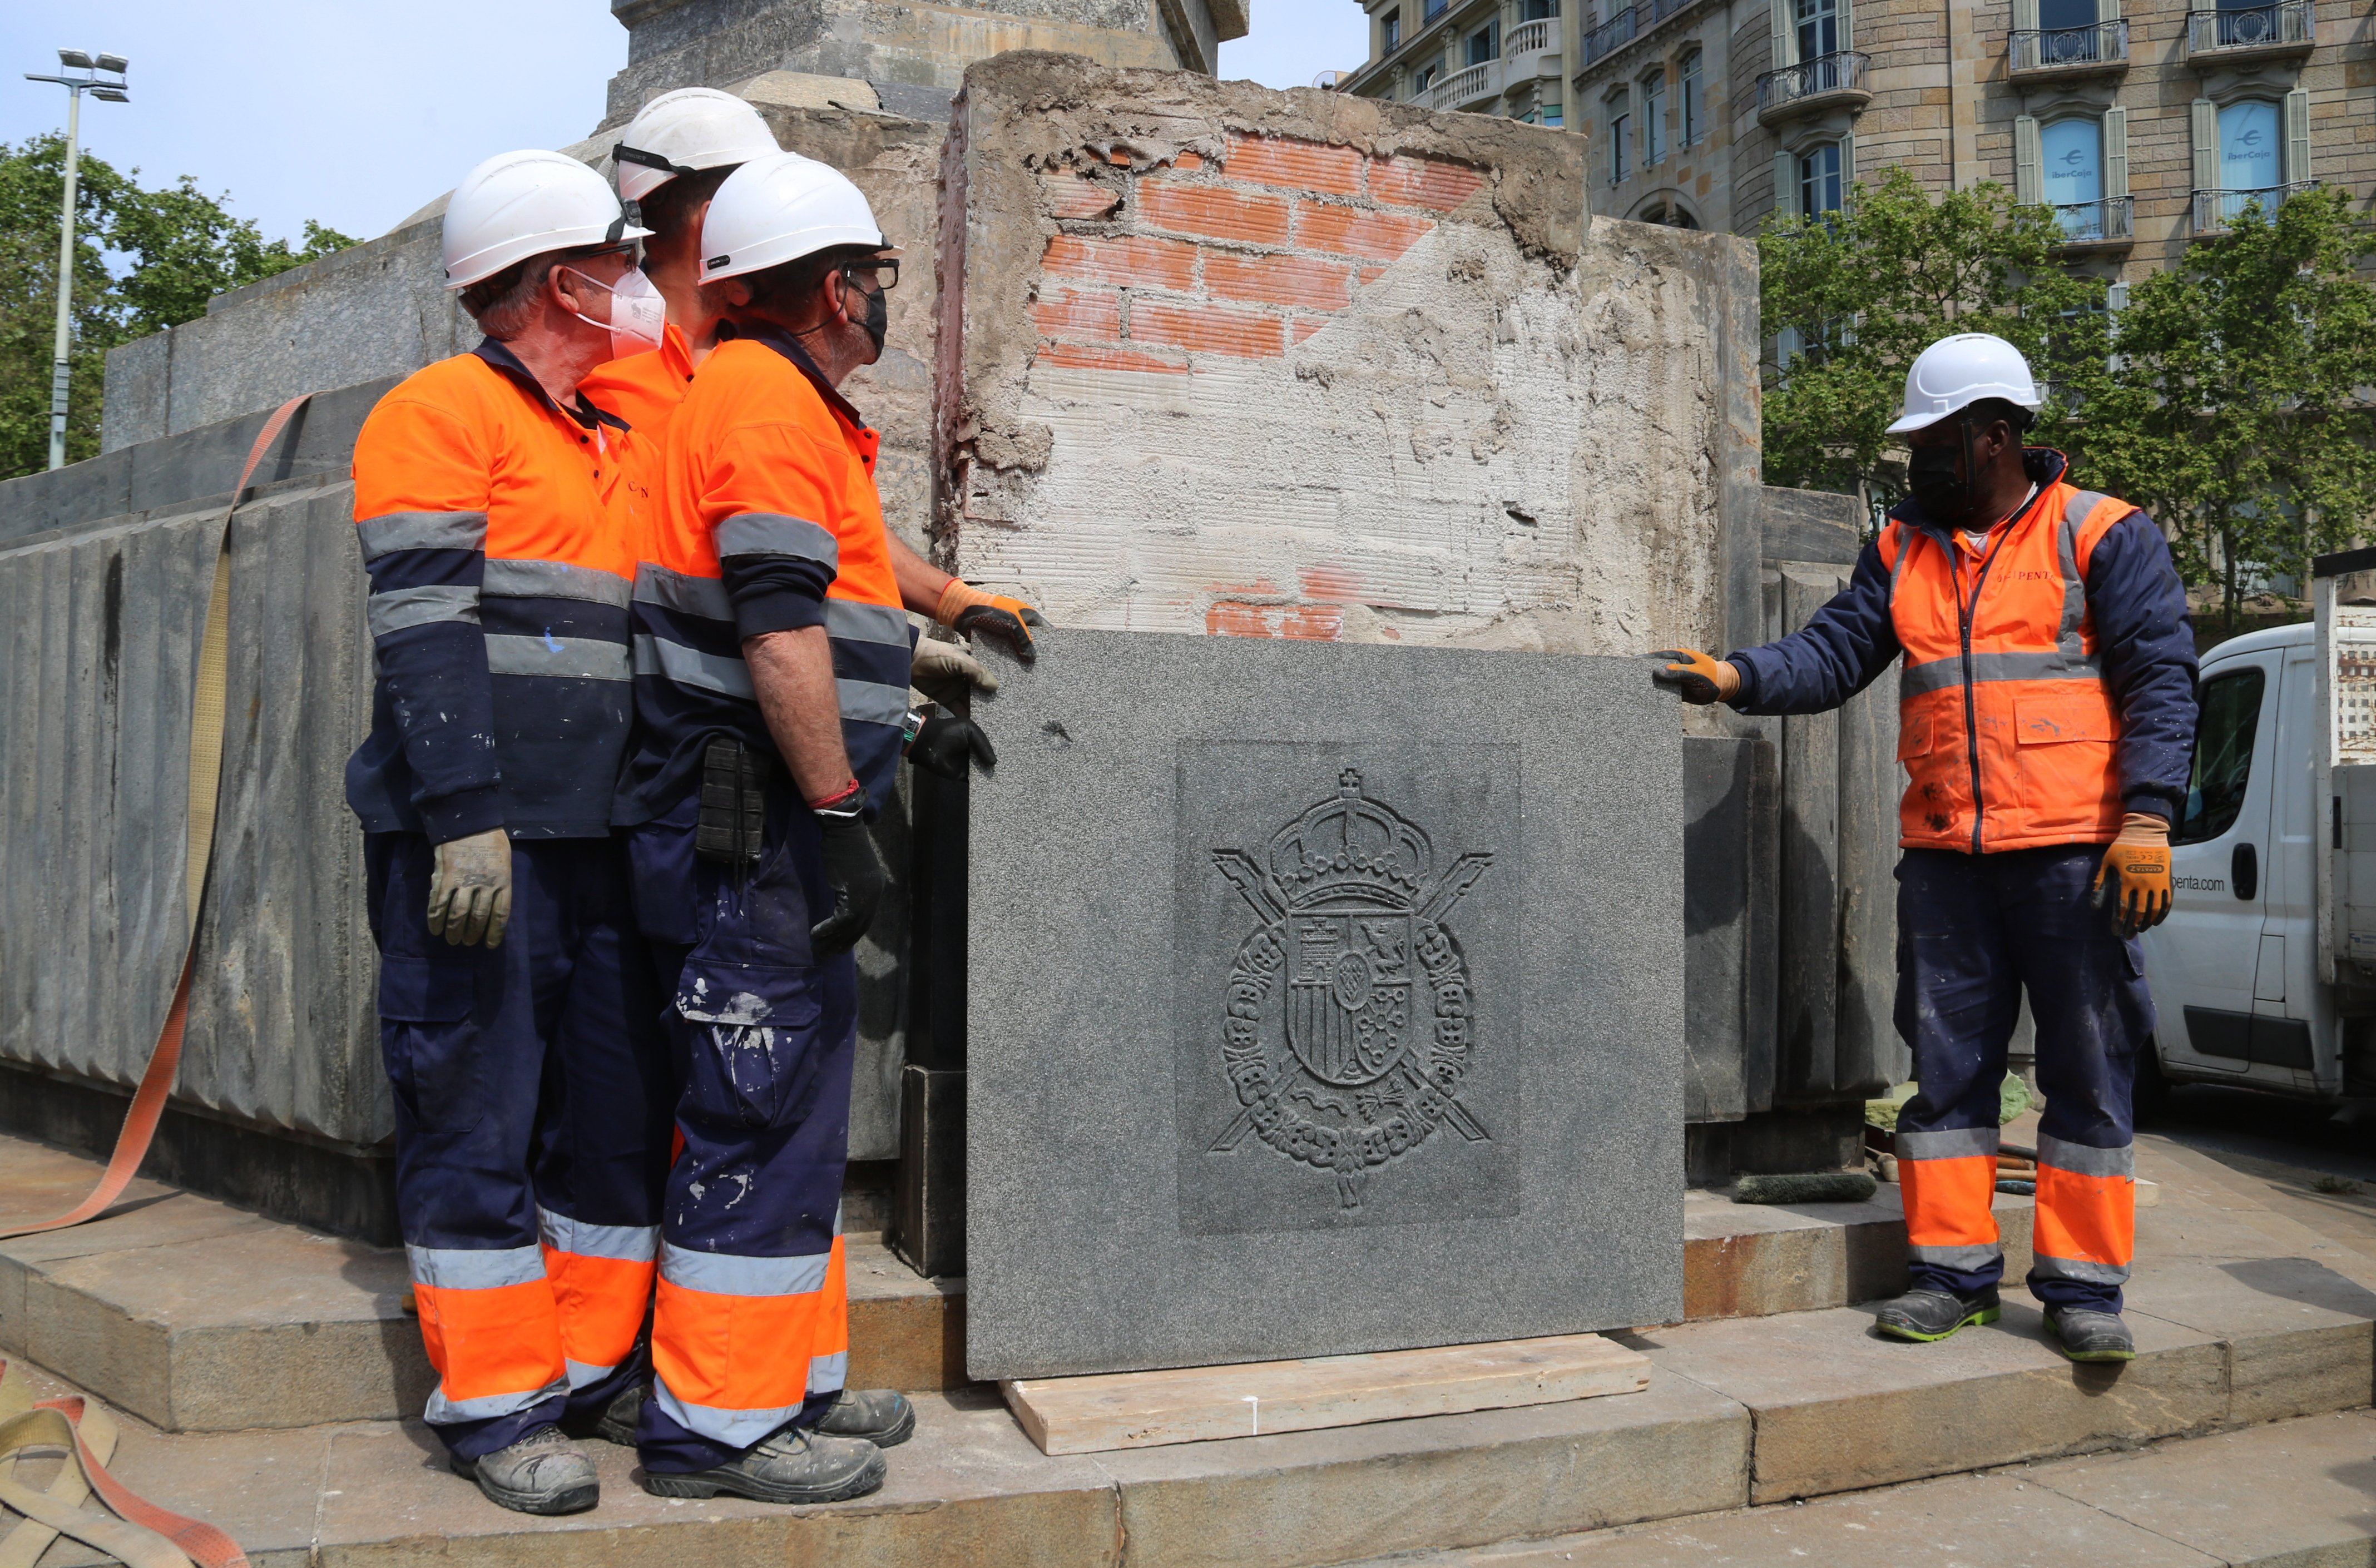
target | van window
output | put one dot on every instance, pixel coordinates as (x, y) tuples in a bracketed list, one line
[(2223, 755)]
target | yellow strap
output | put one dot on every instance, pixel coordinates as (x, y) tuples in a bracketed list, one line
[(127, 1543), (22, 1547)]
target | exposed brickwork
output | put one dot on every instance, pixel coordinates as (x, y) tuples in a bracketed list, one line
[(1279, 279), (1213, 211), (1347, 230), (1422, 182), (1300, 165), (1157, 264)]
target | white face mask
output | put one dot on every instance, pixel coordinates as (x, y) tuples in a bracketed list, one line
[(639, 313)]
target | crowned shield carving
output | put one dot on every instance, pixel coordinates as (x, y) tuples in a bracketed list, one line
[(1356, 969)]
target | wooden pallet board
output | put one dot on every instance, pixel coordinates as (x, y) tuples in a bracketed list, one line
[(1149, 1410)]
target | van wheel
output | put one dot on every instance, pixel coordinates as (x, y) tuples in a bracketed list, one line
[(2149, 1100)]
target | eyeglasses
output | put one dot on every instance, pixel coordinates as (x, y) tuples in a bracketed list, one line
[(885, 272)]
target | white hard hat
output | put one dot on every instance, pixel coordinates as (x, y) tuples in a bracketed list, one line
[(780, 208), (1955, 372), (516, 205), (680, 132)]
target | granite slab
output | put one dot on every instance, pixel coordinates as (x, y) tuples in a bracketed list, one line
[(1322, 999)]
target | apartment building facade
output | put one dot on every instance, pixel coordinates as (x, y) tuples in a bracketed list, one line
[(2146, 124)]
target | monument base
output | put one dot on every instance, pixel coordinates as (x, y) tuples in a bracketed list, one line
[(1152, 1410)]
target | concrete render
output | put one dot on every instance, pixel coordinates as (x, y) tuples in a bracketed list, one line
[(1666, 1475)]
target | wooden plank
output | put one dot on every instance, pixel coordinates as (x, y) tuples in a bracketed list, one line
[(1149, 1410)]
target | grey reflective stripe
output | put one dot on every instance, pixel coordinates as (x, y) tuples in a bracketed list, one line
[(392, 531), (475, 1268), (584, 1376), (399, 608), (763, 533), (627, 1243), (686, 595), (1955, 1143), (863, 702), (556, 579), (2044, 1267), (736, 1428), (577, 659), (442, 1412), (691, 667), (1938, 674), (2066, 555), (1956, 1258), (857, 623), (725, 1274), (828, 1374), (2081, 1159), (1905, 541)]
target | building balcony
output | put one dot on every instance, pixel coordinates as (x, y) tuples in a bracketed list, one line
[(2045, 55), (1828, 82), (2214, 210), (2091, 225), (1478, 85), (2252, 32), (1531, 50), (1626, 26)]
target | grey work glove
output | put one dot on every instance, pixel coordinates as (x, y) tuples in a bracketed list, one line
[(946, 673), (470, 888)]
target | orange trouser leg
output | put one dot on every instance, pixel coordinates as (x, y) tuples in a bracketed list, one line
[(1949, 1182), (738, 1343), (493, 1334), (2086, 1212), (601, 1286)]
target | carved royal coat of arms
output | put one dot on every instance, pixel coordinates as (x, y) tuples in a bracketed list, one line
[(1356, 972)]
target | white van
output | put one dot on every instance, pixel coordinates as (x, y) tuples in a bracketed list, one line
[(2264, 974)]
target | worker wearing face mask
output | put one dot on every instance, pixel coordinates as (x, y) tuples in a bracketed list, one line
[(2046, 723)]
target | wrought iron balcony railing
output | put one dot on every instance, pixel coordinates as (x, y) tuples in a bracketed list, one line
[(2072, 49), (2094, 223), (2213, 210), (1826, 74), (1611, 35), (2287, 25)]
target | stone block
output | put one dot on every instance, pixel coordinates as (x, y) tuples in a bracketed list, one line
[(1330, 1016), (1837, 1407), (2298, 1334), (1441, 1482), (1482, 417)]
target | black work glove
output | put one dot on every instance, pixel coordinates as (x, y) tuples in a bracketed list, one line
[(853, 870), (946, 741), (1696, 678), (1004, 621)]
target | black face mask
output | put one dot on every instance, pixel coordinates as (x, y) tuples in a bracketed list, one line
[(878, 319), (1941, 486)]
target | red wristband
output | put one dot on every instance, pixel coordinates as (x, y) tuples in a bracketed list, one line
[(840, 797)]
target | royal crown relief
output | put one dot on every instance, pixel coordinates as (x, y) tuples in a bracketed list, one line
[(1353, 940)]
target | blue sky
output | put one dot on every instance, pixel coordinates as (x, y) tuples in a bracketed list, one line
[(356, 114)]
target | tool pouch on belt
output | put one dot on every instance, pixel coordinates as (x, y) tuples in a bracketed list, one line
[(733, 804)]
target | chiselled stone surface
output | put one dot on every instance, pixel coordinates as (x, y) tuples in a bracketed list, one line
[(1322, 999)]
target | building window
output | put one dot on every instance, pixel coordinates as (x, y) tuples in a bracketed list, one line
[(1425, 78), (2071, 162), (2056, 15), (1653, 118), (1390, 31), (2248, 146), (1550, 116), (1819, 179), (1484, 43), (1695, 109), (1620, 140), (1432, 9), (1819, 28), (1539, 10)]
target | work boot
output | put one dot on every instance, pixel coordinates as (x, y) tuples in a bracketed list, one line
[(617, 1422), (878, 1415), (791, 1467), (2084, 1334), (542, 1473), (1928, 1315)]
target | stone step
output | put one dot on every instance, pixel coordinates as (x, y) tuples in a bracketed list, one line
[(198, 1316), (2290, 1495), (1737, 1413)]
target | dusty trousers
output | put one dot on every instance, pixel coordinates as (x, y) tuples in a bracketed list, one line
[(532, 1088), (751, 1325), (1973, 932)]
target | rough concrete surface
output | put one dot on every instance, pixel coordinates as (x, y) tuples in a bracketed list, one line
[(1296, 365), (1089, 998)]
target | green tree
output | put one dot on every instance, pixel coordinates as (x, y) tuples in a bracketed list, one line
[(1852, 297), (144, 260), (2237, 411)]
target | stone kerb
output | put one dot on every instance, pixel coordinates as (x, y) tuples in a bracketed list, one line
[(1224, 360)]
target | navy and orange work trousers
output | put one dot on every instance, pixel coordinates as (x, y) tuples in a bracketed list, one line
[(1973, 933), (532, 1088), (751, 1323)]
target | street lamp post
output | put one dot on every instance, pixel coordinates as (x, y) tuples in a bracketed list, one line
[(96, 71)]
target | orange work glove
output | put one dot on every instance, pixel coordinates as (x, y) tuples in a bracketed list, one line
[(2138, 865), (968, 611), (1696, 678)]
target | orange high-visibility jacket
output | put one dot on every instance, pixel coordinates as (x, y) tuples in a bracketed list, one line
[(2005, 726)]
